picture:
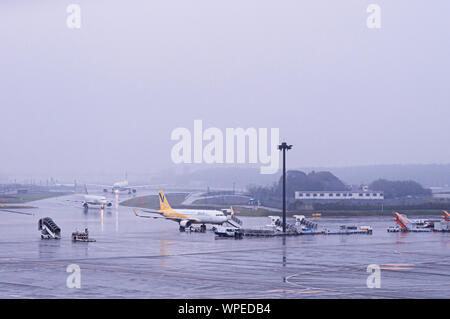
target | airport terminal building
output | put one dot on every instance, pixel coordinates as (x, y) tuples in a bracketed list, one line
[(338, 195)]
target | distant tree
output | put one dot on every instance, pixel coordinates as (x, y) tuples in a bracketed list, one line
[(314, 181), (398, 189), (298, 181)]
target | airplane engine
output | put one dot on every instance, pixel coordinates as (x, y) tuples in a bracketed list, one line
[(184, 224), (109, 204)]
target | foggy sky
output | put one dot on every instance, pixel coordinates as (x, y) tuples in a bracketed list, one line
[(105, 98)]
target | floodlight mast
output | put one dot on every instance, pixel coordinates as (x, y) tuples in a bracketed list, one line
[(284, 147)]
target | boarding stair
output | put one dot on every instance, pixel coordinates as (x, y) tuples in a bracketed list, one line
[(49, 229), (300, 220), (234, 221), (278, 224)]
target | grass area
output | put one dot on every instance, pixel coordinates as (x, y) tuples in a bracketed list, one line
[(263, 212), (15, 207), (224, 200), (152, 201), (176, 200), (27, 197)]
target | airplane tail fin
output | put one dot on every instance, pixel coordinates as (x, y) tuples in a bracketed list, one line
[(163, 203), (85, 189), (446, 216)]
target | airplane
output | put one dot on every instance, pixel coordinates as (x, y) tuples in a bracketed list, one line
[(415, 225), (186, 217), (95, 200), (121, 186)]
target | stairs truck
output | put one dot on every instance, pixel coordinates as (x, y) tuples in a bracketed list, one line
[(233, 220), (410, 225), (49, 229)]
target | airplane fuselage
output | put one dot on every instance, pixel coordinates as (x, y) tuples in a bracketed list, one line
[(96, 201), (120, 185)]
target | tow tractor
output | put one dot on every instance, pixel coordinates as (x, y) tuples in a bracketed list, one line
[(82, 236), (228, 231), (197, 229)]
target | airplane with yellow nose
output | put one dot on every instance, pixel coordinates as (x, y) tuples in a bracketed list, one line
[(186, 217)]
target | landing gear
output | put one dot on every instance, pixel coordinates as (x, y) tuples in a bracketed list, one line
[(203, 228), (182, 229), (85, 205)]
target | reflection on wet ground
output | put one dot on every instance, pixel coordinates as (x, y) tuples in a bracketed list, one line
[(140, 258)]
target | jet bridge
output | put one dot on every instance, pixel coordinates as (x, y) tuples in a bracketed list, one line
[(49, 229)]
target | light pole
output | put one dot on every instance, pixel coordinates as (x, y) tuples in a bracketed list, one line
[(283, 147)]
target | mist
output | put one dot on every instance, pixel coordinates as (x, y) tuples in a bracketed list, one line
[(103, 100)]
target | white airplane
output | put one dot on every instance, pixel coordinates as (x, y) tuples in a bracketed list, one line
[(186, 217), (121, 186), (95, 200)]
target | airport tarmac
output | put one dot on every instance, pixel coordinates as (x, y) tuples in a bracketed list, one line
[(150, 258)]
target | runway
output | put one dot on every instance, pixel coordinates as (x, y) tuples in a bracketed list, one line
[(150, 258)]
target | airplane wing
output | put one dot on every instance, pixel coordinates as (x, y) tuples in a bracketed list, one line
[(150, 211), (100, 185), (155, 214), (144, 186)]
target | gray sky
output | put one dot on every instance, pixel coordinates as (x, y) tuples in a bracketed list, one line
[(105, 98)]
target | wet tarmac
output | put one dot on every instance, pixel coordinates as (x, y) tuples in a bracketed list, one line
[(149, 258)]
